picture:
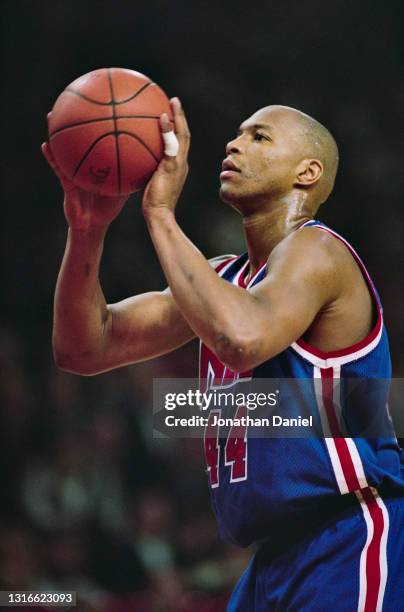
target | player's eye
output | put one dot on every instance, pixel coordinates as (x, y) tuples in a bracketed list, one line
[(258, 137)]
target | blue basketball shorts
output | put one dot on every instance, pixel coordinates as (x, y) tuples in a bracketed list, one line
[(354, 563)]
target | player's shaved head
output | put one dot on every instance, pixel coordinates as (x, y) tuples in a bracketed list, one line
[(279, 152), (313, 140)]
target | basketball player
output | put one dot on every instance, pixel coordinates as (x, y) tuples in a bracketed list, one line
[(298, 304)]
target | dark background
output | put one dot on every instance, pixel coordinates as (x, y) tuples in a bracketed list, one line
[(89, 500)]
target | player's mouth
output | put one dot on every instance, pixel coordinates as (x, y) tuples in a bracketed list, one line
[(229, 169)]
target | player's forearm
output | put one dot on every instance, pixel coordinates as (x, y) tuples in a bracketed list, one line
[(218, 312), (80, 309)]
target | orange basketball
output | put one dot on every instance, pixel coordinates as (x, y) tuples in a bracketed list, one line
[(104, 130)]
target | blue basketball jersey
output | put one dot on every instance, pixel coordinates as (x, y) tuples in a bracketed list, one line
[(278, 489)]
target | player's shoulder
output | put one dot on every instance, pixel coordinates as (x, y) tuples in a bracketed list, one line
[(313, 243), (312, 254)]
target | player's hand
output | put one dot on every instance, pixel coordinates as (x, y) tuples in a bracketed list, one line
[(84, 210), (165, 186)]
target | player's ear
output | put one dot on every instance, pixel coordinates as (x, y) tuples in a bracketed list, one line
[(309, 172)]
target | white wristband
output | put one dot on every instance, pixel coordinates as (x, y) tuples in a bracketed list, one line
[(171, 144)]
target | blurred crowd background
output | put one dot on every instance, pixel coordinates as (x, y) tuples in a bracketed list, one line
[(90, 501)]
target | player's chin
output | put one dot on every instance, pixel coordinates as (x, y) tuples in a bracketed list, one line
[(228, 193)]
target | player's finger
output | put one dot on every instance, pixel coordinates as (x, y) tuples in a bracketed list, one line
[(171, 144), (165, 123), (48, 155), (181, 124)]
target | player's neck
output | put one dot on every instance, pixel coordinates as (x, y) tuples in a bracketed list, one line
[(265, 229)]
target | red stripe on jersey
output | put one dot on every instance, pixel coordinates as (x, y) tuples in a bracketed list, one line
[(224, 263), (327, 389), (243, 280), (372, 586), (373, 573), (344, 455), (346, 351)]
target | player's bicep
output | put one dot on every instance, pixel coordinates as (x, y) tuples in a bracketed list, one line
[(291, 309), (143, 327), (302, 280)]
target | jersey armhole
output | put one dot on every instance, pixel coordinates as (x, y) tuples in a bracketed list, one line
[(361, 348)]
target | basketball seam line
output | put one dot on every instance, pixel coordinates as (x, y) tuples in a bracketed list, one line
[(141, 142), (84, 97), (78, 123), (86, 154), (90, 148), (118, 159)]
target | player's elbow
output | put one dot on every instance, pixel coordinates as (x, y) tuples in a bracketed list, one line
[(238, 352), (71, 364)]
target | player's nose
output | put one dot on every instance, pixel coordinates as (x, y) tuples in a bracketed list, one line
[(234, 146)]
